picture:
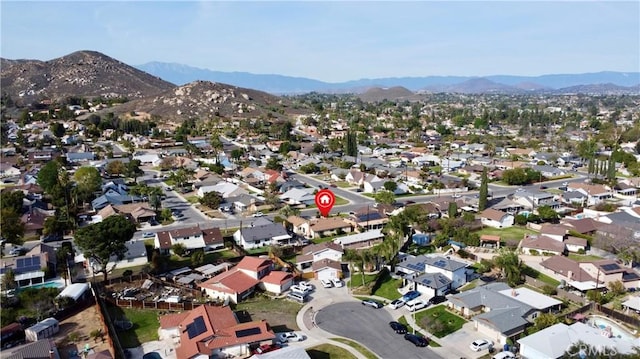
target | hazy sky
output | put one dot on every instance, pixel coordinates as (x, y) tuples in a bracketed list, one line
[(337, 40)]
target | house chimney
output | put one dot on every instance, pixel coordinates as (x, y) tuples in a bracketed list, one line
[(52, 354), (570, 275), (513, 292)]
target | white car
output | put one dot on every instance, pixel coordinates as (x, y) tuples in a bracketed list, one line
[(416, 304), (258, 214), (299, 289), (306, 285), (148, 235), (504, 355), (326, 283), (396, 304), (480, 344), (290, 337), (337, 282)]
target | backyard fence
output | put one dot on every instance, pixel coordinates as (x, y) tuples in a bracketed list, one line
[(140, 304), (634, 322), (107, 323), (584, 308)]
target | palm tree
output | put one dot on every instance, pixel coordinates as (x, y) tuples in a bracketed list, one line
[(510, 265), (288, 211), (350, 256)]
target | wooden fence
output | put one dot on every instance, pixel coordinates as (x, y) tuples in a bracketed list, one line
[(633, 321), (112, 338), (140, 304), (561, 292), (584, 308)]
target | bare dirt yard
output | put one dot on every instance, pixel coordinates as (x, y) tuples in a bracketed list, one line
[(74, 335)]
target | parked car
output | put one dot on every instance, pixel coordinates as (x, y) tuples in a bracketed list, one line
[(416, 304), (265, 348), (396, 304), (17, 251), (326, 283), (148, 235), (306, 285), (337, 282), (417, 340), (411, 295), (504, 355), (258, 214), (298, 297), (298, 289), (52, 238), (437, 300), (372, 303), (290, 337), (480, 344), (399, 328)]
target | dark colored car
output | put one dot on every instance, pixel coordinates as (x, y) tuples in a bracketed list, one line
[(417, 340), (372, 303), (437, 300), (52, 238), (399, 328)]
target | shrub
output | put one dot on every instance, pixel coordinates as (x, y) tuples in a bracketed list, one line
[(581, 251), (534, 252), (549, 290), (127, 273)]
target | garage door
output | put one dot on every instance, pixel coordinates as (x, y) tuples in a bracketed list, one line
[(326, 274)]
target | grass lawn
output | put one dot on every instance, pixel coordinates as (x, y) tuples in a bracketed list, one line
[(583, 257), (540, 276), (279, 313), (339, 202), (343, 184), (145, 325), (328, 351), (355, 282), (192, 199), (388, 288), (469, 286), (410, 329), (438, 321), (364, 351), (514, 233)]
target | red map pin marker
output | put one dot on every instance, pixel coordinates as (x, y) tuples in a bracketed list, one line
[(325, 199)]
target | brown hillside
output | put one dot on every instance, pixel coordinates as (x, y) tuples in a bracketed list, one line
[(82, 73)]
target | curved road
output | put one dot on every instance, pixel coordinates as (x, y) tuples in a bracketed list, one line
[(370, 327)]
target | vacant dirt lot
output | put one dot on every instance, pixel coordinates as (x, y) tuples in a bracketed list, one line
[(82, 324)]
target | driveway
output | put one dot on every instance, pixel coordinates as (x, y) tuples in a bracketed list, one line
[(370, 327), (461, 339)]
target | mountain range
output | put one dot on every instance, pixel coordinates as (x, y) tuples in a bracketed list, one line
[(598, 82)]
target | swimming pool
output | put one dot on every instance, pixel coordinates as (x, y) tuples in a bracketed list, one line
[(44, 285), (616, 330)]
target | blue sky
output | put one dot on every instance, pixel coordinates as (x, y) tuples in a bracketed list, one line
[(336, 41)]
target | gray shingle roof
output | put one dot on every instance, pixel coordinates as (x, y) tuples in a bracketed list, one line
[(252, 234)]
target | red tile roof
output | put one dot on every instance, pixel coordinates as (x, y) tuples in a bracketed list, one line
[(172, 320), (164, 239), (253, 264), (232, 281), (277, 277), (489, 238), (221, 331)]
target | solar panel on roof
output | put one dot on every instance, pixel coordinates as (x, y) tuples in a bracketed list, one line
[(425, 281), (610, 267), (440, 263), (28, 264), (248, 332), (196, 328)]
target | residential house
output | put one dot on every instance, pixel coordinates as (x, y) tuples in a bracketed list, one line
[(326, 269), (496, 313), (368, 219), (372, 184), (40, 349), (34, 222), (138, 212), (80, 157), (360, 240), (317, 252), (27, 269), (355, 177), (531, 244), (135, 256), (297, 196), (609, 270), (432, 274), (496, 219), (261, 235), (213, 332), (8, 170), (191, 237), (596, 193), (549, 171), (553, 342), (590, 275), (226, 190)]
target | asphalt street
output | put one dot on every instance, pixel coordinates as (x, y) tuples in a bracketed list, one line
[(370, 327)]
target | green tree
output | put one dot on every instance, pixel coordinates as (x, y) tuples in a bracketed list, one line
[(12, 200), (351, 144), (546, 213), (273, 163), (617, 288), (390, 186), (516, 176), (88, 181), (288, 211), (49, 175), (483, 193), (179, 249), (9, 280), (236, 154), (11, 226), (115, 168), (102, 242), (57, 129), (197, 257), (453, 209), (133, 170), (62, 262), (545, 320), (510, 265), (385, 197), (211, 199)]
